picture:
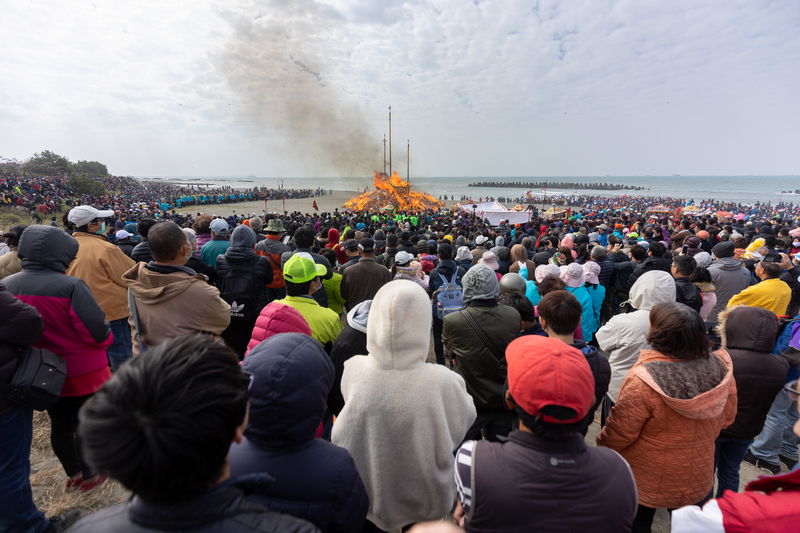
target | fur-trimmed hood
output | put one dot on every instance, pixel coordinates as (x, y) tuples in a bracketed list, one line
[(747, 328), (706, 287)]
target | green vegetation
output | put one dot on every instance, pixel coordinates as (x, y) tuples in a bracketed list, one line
[(46, 163), (83, 184), (11, 217)]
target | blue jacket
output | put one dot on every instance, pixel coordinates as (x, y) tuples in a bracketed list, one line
[(588, 321), (314, 479), (598, 294)]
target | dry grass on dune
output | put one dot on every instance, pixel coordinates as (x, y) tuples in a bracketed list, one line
[(48, 477)]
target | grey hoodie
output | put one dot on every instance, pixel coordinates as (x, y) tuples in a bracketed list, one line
[(730, 277)]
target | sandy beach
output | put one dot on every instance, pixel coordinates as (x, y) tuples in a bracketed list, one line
[(305, 205)]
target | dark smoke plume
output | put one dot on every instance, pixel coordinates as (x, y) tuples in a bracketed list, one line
[(274, 63)]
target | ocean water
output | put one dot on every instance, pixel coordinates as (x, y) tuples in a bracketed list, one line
[(740, 189)]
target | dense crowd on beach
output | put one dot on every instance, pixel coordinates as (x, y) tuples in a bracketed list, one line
[(51, 195), (543, 185), (274, 371), (641, 204)]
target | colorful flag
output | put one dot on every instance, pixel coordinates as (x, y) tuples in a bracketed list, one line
[(315, 206)]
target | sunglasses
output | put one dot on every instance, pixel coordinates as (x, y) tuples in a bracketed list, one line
[(791, 390)]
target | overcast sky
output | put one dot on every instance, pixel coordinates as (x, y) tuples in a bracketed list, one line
[(491, 88)]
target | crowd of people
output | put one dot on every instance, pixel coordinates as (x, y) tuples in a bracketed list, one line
[(542, 185), (50, 195), (272, 372)]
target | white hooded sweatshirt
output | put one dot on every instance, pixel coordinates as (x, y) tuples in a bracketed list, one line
[(625, 335), (403, 418)]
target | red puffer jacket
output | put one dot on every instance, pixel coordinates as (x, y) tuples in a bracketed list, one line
[(277, 318)]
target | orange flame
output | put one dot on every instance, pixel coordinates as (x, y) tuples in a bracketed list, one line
[(392, 191)]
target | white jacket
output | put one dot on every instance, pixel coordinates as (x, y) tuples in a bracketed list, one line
[(625, 335), (403, 419)]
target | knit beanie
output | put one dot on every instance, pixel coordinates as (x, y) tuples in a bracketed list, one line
[(724, 249)]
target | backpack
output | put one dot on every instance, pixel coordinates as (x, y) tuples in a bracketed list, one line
[(238, 291), (449, 297)]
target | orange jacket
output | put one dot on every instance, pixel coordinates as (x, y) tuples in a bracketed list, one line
[(668, 442)]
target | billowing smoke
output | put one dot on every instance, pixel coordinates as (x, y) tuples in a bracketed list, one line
[(276, 63)]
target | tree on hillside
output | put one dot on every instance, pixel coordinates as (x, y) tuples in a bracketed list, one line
[(45, 163), (90, 168), (84, 185), (9, 166)]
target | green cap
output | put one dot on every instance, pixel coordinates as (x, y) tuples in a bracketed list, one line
[(301, 268)]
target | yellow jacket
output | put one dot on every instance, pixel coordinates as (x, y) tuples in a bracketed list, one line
[(772, 294), (101, 265), (324, 323)]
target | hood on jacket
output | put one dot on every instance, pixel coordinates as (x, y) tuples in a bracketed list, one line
[(130, 227), (277, 318), (357, 316), (747, 328), (519, 253), (48, 247), (399, 312), (152, 287), (727, 263), (652, 288), (333, 236), (292, 376), (704, 406), (243, 239)]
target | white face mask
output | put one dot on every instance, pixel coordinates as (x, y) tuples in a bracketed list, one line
[(796, 244)]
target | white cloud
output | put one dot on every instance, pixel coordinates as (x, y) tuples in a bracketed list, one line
[(494, 87)]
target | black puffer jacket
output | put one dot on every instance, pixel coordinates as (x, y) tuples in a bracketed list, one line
[(224, 507), (748, 334), (242, 252), (141, 253), (601, 370), (606, 272), (790, 277), (20, 325), (651, 263), (126, 245), (688, 293)]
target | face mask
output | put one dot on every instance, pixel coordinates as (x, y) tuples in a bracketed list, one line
[(796, 244), (103, 229)]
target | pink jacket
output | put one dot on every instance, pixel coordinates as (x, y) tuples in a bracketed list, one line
[(75, 327), (277, 318)]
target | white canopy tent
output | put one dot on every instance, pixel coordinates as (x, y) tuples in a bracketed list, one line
[(494, 212)]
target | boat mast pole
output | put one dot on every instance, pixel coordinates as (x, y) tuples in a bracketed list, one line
[(384, 153), (408, 162), (390, 141)]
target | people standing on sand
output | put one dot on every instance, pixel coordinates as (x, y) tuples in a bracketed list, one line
[(75, 329), (362, 281), (171, 299), (402, 418), (544, 477), (679, 383), (101, 265), (20, 325), (173, 455)]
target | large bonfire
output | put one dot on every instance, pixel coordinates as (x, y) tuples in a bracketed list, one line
[(392, 192)]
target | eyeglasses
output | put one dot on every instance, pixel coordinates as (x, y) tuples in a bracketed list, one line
[(791, 390)]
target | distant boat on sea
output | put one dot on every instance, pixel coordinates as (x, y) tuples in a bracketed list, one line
[(251, 175), (676, 175)]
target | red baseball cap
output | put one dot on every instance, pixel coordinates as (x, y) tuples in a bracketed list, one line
[(544, 371)]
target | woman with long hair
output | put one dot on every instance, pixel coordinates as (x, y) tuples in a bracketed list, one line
[(670, 409)]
